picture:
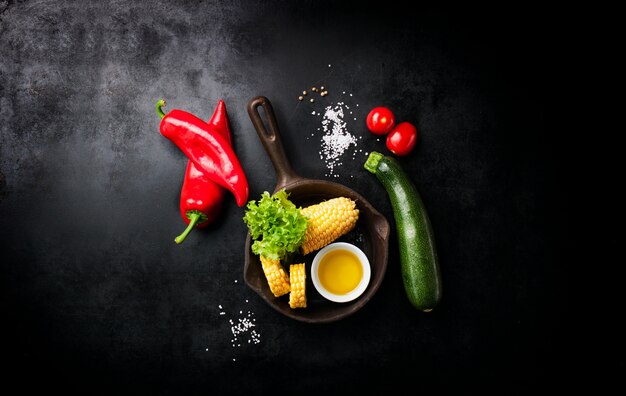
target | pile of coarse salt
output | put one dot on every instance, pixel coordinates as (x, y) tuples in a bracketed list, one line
[(243, 329), (336, 138)]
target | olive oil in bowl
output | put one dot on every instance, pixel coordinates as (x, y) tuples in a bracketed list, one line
[(340, 272)]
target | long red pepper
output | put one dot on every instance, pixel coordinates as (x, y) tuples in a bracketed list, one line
[(201, 198), (208, 150)]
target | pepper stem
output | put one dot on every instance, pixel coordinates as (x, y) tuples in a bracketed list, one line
[(160, 104), (194, 217)]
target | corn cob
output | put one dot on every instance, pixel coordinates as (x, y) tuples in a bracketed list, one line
[(328, 221), (277, 278), (297, 275)]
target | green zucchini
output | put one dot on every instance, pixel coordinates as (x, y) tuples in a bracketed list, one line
[(418, 256)]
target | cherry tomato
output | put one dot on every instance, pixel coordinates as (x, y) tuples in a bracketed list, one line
[(402, 139), (380, 121)]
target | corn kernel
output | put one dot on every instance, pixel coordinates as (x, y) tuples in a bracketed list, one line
[(277, 278), (328, 221), (297, 296)]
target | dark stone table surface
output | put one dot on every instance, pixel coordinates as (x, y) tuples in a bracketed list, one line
[(97, 298)]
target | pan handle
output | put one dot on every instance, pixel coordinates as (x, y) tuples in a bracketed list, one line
[(270, 137)]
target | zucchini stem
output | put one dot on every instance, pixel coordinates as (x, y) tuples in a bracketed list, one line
[(372, 161)]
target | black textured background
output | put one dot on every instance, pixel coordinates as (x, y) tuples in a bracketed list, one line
[(96, 297)]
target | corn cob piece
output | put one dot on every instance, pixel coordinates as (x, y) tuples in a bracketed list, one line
[(328, 221), (277, 278), (297, 296)]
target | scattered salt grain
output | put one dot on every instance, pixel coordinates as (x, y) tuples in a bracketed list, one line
[(243, 328)]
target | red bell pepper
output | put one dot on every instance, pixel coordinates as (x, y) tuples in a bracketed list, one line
[(207, 149), (201, 198)]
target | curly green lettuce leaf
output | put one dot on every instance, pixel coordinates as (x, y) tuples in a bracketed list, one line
[(275, 224)]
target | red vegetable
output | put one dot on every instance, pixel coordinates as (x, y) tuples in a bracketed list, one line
[(201, 198), (219, 120), (380, 120), (402, 139), (207, 148)]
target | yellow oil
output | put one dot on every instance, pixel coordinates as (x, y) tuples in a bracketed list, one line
[(340, 271)]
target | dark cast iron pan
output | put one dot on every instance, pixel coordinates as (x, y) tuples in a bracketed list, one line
[(371, 233)]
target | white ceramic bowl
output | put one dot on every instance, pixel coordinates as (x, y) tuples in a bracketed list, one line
[(358, 290)]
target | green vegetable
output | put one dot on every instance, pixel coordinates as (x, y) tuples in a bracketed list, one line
[(275, 224), (418, 256)]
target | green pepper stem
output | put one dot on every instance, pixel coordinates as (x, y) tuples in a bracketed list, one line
[(193, 220), (159, 109)]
